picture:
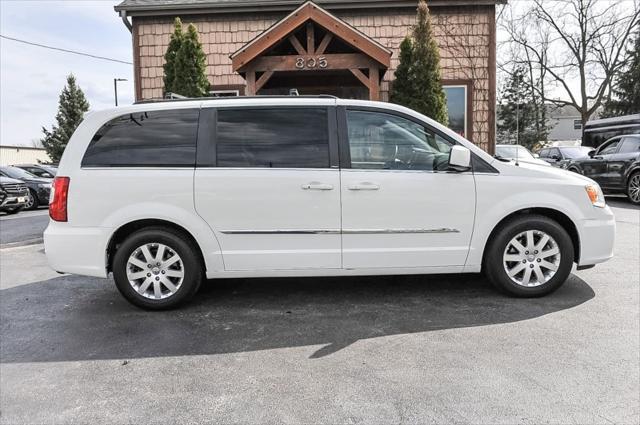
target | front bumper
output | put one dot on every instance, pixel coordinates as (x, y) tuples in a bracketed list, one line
[(597, 238), (77, 250), (11, 202)]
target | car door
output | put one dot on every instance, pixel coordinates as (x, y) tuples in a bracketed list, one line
[(268, 184), (617, 163), (400, 206), (595, 167)]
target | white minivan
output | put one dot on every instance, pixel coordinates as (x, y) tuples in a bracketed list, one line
[(165, 194)]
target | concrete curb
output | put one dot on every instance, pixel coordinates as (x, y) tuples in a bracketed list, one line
[(27, 242)]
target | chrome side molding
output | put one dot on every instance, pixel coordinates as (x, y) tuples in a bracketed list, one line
[(336, 231)]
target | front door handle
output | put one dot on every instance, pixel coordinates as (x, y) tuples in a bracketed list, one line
[(317, 186), (364, 186)]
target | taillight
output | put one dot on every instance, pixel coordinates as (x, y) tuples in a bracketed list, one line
[(58, 201)]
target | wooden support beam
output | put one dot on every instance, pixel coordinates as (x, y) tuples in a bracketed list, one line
[(251, 83), (263, 80), (324, 43), (360, 76), (374, 84), (311, 40), (289, 62), (296, 45)]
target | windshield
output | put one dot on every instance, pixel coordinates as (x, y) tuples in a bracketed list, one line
[(17, 173), (576, 152), (510, 152)]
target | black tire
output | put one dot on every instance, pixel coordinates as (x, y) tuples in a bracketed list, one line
[(175, 240), (494, 266), (631, 181), (33, 199)]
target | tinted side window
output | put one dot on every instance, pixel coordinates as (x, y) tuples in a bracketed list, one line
[(609, 147), (630, 145), (273, 138), (544, 153), (146, 139), (384, 141), (555, 152)]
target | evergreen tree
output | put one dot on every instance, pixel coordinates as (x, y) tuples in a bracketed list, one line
[(170, 56), (190, 67), (627, 87), (519, 116), (418, 82), (71, 108)]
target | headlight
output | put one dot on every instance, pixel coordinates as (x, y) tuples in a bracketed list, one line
[(595, 195), (44, 185)]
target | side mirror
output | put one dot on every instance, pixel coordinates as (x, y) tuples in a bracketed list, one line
[(555, 157), (460, 158), (591, 153)]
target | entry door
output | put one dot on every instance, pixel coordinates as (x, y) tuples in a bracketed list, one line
[(620, 161), (400, 205), (596, 166), (272, 199)]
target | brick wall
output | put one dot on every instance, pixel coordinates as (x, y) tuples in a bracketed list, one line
[(464, 38)]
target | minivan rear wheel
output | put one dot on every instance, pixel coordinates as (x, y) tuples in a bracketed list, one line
[(156, 269), (530, 256)]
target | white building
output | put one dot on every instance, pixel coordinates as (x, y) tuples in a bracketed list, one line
[(10, 155)]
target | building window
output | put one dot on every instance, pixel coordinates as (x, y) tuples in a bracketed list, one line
[(577, 124), (224, 93), (457, 107)]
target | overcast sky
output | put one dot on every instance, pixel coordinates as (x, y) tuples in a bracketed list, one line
[(31, 78)]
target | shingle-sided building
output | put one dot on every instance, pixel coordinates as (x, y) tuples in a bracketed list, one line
[(347, 48)]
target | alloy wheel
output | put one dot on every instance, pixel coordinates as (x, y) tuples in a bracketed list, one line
[(30, 201), (155, 271), (531, 258), (634, 188)]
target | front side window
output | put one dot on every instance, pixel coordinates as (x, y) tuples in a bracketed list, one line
[(609, 148), (273, 138), (146, 139), (544, 153), (630, 145), (388, 142)]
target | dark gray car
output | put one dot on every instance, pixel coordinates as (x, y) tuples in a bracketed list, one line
[(13, 195), (38, 188)]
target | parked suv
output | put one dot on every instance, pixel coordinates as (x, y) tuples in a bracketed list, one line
[(13, 195), (39, 170), (39, 188), (561, 156), (165, 194), (615, 165)]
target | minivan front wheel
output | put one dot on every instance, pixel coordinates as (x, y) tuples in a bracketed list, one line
[(156, 268), (530, 256)]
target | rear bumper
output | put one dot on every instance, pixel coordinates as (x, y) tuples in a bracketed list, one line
[(77, 250), (597, 238)]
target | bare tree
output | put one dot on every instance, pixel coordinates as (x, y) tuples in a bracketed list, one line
[(574, 47)]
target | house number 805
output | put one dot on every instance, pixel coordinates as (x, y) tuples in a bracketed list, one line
[(311, 63)]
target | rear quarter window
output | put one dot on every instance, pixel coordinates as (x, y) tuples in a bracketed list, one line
[(146, 139)]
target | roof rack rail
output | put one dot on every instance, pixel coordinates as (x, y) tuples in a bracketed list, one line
[(188, 99)]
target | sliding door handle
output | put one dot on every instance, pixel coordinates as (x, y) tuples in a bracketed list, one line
[(364, 186), (317, 186)]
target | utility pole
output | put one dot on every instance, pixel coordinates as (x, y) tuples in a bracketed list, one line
[(115, 87)]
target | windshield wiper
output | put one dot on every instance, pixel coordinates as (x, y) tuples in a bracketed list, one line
[(501, 158)]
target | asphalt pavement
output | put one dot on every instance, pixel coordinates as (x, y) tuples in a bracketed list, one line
[(399, 349), (23, 227)]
